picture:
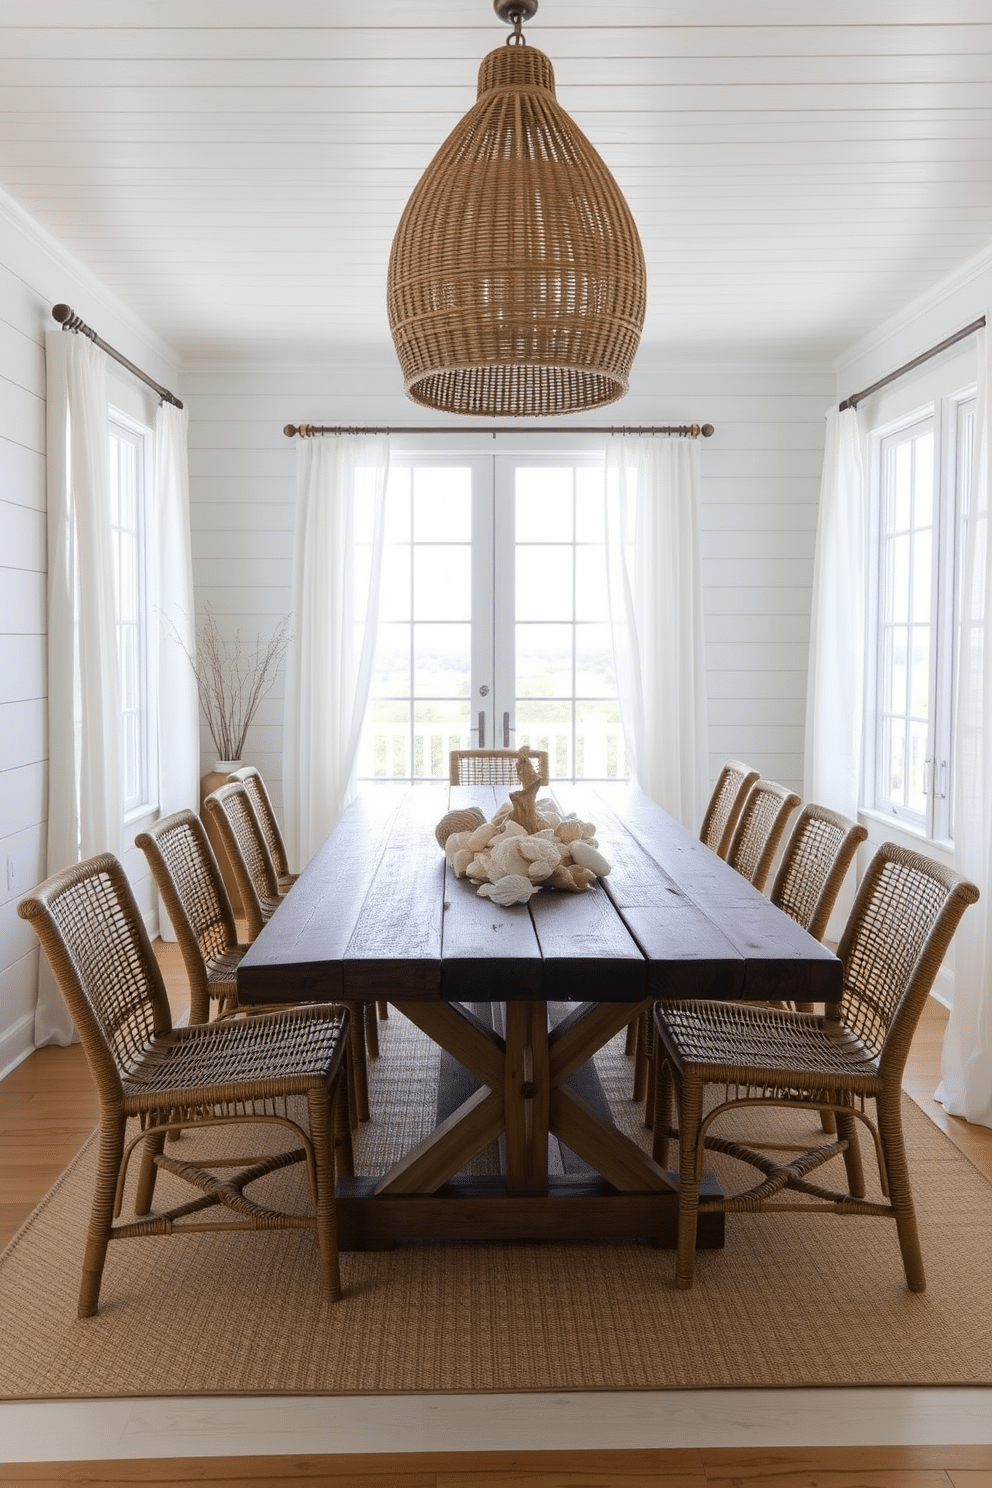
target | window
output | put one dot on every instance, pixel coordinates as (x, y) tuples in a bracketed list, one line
[(494, 622), (922, 474), (128, 457)]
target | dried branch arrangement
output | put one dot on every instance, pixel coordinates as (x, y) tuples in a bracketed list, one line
[(232, 679)]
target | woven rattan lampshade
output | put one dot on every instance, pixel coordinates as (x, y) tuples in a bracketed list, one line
[(516, 279)]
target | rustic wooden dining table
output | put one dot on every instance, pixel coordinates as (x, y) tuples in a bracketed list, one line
[(378, 915)]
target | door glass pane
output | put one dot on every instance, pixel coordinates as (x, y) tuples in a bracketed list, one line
[(544, 582), (442, 506), (599, 746), (547, 725), (566, 696), (544, 505), (440, 660), (442, 582), (438, 728), (544, 661), (594, 672)]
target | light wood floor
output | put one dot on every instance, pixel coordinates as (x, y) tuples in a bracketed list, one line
[(48, 1107)]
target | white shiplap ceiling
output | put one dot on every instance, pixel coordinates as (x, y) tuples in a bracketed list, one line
[(234, 169)]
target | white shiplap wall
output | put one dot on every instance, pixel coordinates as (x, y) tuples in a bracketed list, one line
[(761, 473), (34, 274)]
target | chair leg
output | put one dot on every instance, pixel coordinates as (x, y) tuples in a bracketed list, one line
[(148, 1172), (642, 1053), (102, 1213), (664, 1086), (847, 1128), (383, 1007), (900, 1191), (690, 1173), (320, 1103), (630, 1042), (371, 1030), (343, 1145)]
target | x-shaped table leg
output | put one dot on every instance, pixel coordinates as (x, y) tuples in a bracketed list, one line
[(523, 1095)]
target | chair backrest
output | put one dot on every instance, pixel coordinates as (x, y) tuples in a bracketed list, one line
[(814, 865), (92, 932), (759, 830), (259, 798), (239, 830), (493, 766), (905, 913), (190, 883), (732, 786)]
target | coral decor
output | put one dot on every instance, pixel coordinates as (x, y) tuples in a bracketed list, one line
[(527, 845)]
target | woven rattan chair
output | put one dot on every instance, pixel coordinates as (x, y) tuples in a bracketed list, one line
[(244, 842), (245, 1070), (253, 783), (904, 916), (732, 786), (814, 864), (815, 861), (493, 766), (192, 888), (759, 830)]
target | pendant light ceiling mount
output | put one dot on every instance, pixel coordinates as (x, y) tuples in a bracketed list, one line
[(514, 13), (516, 284)]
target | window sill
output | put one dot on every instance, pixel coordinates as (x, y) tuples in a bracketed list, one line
[(140, 815), (891, 826)]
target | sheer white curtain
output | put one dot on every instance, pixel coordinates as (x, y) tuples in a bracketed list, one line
[(337, 562), (178, 716), (967, 1056), (84, 807), (655, 588), (835, 683)]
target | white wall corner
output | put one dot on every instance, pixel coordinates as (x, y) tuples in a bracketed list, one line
[(920, 314), (40, 241)]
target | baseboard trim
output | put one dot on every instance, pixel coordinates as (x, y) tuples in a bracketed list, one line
[(16, 1043)]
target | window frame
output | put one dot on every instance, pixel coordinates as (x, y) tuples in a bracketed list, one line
[(143, 801), (945, 414)]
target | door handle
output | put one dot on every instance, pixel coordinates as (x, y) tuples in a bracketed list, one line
[(506, 730), (482, 730)]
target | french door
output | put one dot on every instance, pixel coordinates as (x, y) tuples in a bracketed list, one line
[(494, 622)]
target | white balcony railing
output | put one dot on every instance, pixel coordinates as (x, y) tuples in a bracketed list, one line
[(387, 750)]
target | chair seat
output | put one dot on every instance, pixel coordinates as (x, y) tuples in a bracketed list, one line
[(764, 1046), (258, 1058), (222, 972)]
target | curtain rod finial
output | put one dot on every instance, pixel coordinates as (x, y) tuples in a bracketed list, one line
[(706, 431), (289, 430), (61, 313)]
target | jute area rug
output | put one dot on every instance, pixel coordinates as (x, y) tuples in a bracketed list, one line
[(793, 1300)]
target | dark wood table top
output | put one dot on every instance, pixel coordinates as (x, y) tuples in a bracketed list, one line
[(377, 907)]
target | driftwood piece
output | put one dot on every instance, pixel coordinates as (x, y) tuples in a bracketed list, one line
[(524, 809)]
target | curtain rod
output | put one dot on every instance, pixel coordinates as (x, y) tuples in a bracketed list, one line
[(307, 431), (924, 356), (70, 321)]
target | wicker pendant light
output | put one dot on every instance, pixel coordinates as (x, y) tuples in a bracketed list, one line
[(516, 279)]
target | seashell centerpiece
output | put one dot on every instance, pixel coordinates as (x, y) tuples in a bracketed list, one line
[(527, 845)]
